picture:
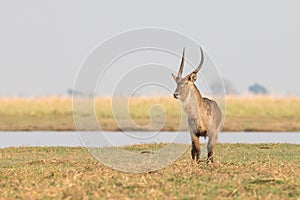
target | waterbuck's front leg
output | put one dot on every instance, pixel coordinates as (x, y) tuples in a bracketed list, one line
[(195, 152)]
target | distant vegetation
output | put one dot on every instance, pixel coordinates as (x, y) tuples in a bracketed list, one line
[(252, 113), (258, 89), (72, 92)]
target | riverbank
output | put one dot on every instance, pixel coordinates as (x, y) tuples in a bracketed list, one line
[(262, 113)]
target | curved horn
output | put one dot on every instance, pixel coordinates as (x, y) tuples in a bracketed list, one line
[(201, 62), (181, 65)]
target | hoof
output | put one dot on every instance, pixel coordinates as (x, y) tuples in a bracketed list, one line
[(209, 160)]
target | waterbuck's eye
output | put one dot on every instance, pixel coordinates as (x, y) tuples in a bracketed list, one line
[(184, 84)]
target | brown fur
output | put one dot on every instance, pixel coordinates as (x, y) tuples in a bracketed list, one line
[(204, 115)]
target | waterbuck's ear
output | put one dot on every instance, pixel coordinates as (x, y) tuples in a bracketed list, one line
[(174, 77), (192, 77)]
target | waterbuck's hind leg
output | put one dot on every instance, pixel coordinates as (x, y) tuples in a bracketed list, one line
[(195, 152), (211, 145), (210, 157)]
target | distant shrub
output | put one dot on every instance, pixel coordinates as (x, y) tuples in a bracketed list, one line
[(258, 89)]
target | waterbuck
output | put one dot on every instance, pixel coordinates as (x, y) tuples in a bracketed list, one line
[(204, 115)]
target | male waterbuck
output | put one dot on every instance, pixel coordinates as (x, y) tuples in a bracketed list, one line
[(204, 115)]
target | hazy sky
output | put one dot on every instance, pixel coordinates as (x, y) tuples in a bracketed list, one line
[(43, 43)]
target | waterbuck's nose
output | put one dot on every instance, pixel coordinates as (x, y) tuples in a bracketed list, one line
[(176, 94)]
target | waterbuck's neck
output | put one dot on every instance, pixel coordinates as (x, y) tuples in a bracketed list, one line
[(193, 104)]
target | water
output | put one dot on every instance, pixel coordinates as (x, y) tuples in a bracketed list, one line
[(98, 139)]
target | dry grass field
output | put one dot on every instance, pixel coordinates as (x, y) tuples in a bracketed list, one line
[(244, 171), (262, 113)]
